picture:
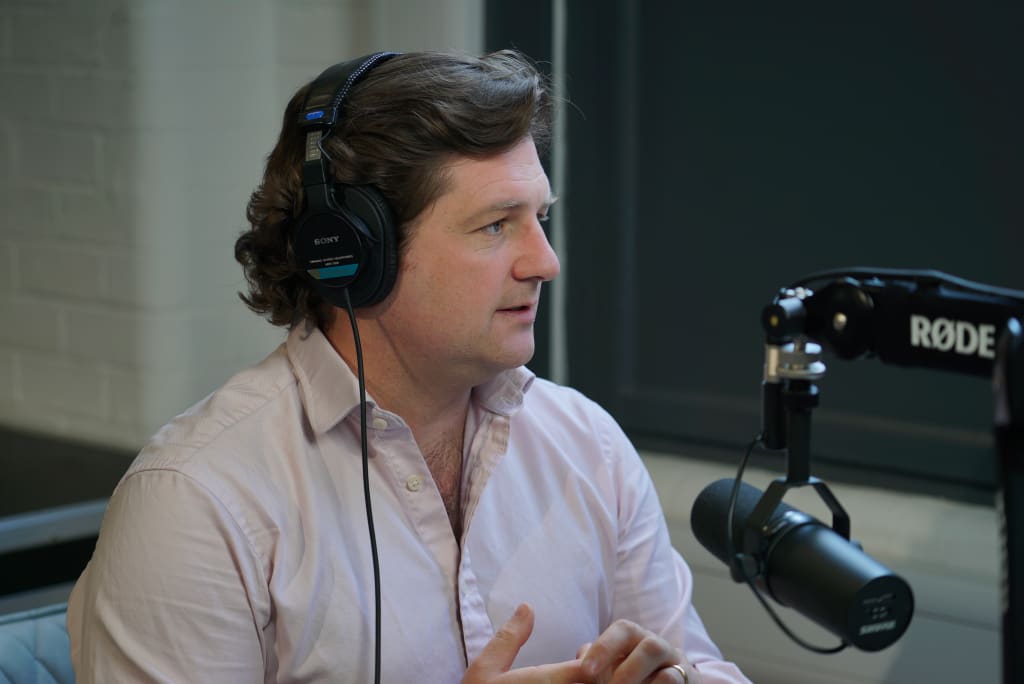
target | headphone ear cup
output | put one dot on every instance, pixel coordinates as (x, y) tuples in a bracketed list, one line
[(366, 207), (330, 247), (344, 239)]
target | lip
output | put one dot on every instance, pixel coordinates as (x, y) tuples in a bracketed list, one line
[(525, 311)]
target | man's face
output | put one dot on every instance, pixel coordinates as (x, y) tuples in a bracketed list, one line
[(465, 299)]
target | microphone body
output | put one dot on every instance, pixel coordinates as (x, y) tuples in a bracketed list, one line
[(805, 565)]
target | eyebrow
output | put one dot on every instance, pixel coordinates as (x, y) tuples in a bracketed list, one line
[(507, 205)]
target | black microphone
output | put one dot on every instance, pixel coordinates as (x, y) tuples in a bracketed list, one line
[(805, 565)]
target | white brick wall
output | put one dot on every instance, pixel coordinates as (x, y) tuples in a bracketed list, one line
[(131, 134)]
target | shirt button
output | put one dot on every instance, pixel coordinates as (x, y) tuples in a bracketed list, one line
[(414, 483), (380, 423)]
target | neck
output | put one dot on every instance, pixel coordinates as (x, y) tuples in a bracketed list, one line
[(432, 400)]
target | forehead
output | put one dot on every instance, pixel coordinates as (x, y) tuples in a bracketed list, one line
[(514, 176)]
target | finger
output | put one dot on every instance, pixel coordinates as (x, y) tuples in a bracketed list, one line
[(499, 653), (614, 644), (582, 650), (650, 660), (626, 652), (568, 672), (671, 675), (666, 675)]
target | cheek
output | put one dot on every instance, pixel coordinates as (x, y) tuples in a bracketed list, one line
[(453, 286), (432, 299)]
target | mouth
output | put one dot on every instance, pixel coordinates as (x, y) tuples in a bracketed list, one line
[(524, 313), (522, 308)]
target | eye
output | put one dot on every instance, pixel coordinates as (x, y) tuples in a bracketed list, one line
[(543, 218), (495, 228)]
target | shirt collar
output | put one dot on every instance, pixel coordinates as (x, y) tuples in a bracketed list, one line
[(504, 393), (330, 390)]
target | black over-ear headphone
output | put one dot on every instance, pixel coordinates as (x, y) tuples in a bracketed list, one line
[(345, 237)]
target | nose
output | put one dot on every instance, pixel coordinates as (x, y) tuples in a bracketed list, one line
[(538, 260)]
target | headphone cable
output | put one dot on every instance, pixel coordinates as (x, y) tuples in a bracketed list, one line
[(366, 486)]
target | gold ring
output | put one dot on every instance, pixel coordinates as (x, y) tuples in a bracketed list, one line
[(686, 677)]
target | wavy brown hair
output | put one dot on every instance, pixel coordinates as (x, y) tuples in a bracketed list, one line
[(401, 126)]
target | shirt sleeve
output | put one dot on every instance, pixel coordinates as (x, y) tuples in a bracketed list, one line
[(653, 584), (171, 592)]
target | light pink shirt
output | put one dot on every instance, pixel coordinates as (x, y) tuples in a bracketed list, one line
[(236, 549)]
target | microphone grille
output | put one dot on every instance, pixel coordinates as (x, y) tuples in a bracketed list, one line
[(711, 511)]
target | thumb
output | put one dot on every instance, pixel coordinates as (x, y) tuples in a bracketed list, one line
[(499, 653)]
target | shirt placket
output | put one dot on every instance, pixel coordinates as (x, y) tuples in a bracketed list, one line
[(487, 447), (477, 629), (413, 487), (392, 441)]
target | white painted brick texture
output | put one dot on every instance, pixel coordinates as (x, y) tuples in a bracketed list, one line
[(131, 134)]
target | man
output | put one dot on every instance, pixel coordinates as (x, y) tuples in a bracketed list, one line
[(520, 538)]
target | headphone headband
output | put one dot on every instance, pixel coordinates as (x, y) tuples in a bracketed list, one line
[(321, 110), (328, 91), (345, 238)]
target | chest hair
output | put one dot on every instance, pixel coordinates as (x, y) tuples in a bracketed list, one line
[(444, 459)]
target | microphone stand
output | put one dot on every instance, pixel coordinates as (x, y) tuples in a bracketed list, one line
[(790, 394), (797, 365), (1008, 381)]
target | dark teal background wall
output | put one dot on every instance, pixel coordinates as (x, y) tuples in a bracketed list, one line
[(719, 151)]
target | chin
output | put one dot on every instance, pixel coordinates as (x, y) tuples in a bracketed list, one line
[(513, 358), (521, 359)]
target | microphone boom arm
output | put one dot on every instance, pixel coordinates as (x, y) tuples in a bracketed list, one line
[(904, 317), (920, 318)]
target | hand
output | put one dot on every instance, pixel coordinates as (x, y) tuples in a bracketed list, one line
[(626, 653), (494, 661)]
